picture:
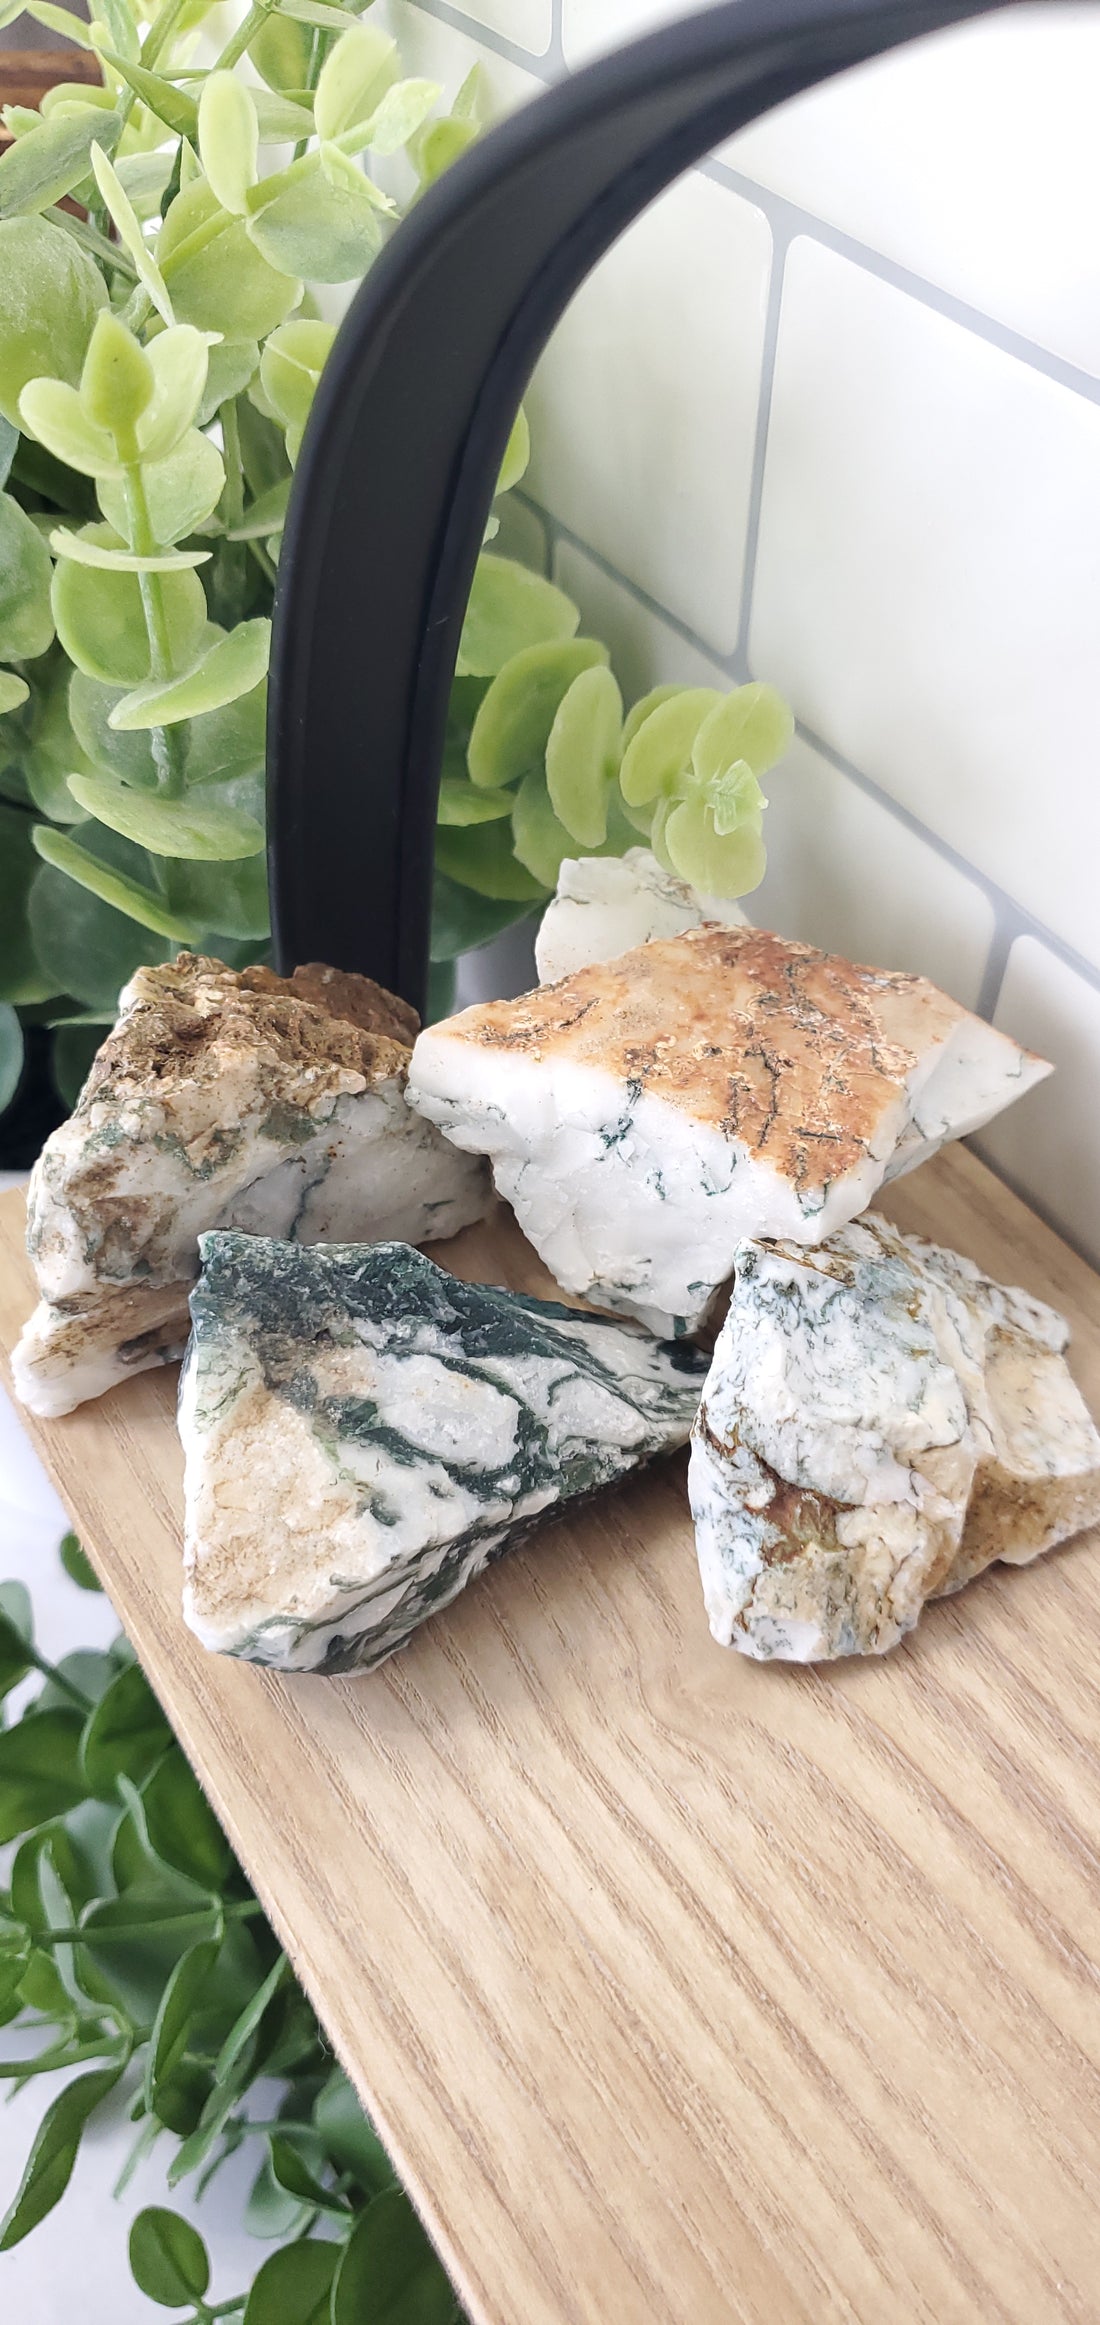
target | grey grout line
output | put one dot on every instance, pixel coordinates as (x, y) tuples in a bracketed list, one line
[(1011, 920), (789, 219), (487, 38), (993, 975), (780, 246)]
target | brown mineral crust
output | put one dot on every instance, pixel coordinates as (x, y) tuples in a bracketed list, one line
[(191, 1013), (795, 1052), (801, 1516), (340, 993), (135, 1319)]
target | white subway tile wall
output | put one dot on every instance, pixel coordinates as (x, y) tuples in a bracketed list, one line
[(1053, 1149), (830, 414), (659, 482)]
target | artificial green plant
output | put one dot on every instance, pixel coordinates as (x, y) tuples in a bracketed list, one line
[(132, 1945), (162, 239)]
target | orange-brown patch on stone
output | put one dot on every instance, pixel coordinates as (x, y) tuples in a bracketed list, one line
[(796, 1053)]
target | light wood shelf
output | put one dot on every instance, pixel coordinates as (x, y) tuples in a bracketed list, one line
[(684, 1991)]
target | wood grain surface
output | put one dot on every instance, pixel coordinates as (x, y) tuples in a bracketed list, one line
[(685, 1991)]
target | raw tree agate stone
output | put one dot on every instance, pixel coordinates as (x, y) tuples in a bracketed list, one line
[(605, 905), (881, 1421), (363, 1434), (222, 1098), (643, 1115)]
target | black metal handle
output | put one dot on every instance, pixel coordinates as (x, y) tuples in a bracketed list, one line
[(405, 440)]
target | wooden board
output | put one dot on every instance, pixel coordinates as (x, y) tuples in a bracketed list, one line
[(685, 1991)]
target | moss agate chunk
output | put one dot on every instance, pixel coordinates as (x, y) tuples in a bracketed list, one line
[(881, 1422), (645, 1114), (363, 1434), (223, 1098)]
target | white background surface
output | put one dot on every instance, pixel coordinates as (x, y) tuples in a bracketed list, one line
[(73, 2269)]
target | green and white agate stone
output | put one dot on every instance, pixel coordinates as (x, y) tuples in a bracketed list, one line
[(364, 1433)]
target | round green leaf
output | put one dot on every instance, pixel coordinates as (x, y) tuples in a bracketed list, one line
[(50, 2165), (26, 622), (460, 802), (130, 757), (184, 1998), (290, 367), (230, 742), (582, 755), (293, 2287), (53, 412), (232, 667), (100, 921), (198, 828), (168, 2259), (398, 118), (216, 277), (101, 622), (512, 725), (659, 752), (21, 978), (125, 1735), (641, 710), (360, 66), (510, 608), (229, 137), (50, 294), (688, 843), (182, 1827), (349, 2137), (77, 1564), (44, 165), (540, 841), (13, 691), (439, 144), (462, 921), (517, 453), (482, 858), (230, 366), (84, 552), (180, 491), (178, 360), (225, 899), (117, 379), (40, 1772), (281, 52), (389, 2272), (753, 723), (11, 1054)]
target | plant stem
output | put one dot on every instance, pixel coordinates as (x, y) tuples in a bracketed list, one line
[(167, 742), (265, 563), (50, 1671), (156, 40), (234, 49)]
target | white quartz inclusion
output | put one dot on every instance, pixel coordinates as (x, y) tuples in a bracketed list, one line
[(605, 905)]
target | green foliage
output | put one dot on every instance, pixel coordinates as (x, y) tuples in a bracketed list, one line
[(159, 358), (131, 1942)]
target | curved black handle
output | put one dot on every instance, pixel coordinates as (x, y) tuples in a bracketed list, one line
[(405, 440)]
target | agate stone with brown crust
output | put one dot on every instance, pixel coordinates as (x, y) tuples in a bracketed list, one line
[(880, 1422), (644, 1114), (223, 1098)]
